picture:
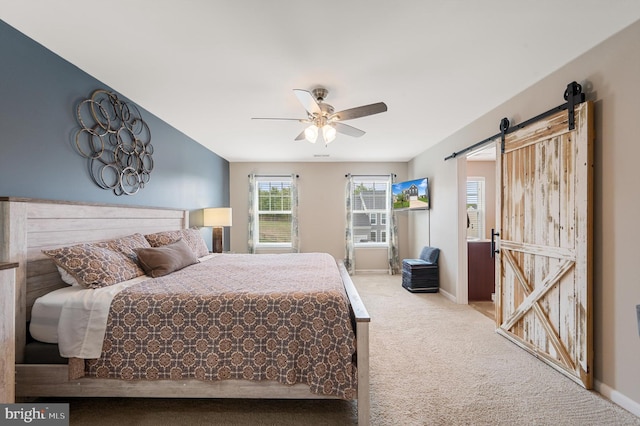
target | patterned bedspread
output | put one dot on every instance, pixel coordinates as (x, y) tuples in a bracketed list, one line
[(280, 317)]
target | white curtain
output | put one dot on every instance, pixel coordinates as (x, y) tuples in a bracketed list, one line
[(295, 240), (348, 233), (394, 260), (392, 238), (252, 214)]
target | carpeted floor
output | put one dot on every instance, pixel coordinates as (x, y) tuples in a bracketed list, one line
[(432, 363)]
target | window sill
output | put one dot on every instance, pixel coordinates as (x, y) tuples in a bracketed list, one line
[(371, 246), (273, 247)]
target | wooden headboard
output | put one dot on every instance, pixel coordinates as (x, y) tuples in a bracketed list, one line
[(29, 226)]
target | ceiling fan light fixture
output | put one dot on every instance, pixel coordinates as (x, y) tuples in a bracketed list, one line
[(311, 133), (321, 115), (328, 133)]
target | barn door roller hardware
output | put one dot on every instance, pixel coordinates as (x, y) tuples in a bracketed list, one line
[(572, 95), (504, 127)]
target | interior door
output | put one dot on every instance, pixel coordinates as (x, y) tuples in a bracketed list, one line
[(543, 268)]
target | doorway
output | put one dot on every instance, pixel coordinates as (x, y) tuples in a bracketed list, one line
[(481, 215)]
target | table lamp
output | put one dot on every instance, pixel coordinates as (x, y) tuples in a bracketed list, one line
[(217, 218)]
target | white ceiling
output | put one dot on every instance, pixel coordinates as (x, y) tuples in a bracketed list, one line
[(207, 67), (488, 153)]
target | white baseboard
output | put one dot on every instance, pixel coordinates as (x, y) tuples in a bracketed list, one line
[(617, 398), (372, 271), (448, 295)]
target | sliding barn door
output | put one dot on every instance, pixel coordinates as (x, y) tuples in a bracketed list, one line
[(544, 266)]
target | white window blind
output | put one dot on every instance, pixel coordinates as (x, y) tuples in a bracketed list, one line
[(475, 208), (273, 226)]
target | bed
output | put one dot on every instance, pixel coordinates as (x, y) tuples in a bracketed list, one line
[(30, 227)]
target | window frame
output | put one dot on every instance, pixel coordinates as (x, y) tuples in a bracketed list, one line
[(380, 223), (271, 180)]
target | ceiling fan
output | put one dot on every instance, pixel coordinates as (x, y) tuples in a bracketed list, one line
[(323, 120)]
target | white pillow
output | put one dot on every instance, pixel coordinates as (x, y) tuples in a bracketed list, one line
[(67, 277)]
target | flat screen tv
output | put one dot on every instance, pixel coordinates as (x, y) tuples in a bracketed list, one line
[(411, 195)]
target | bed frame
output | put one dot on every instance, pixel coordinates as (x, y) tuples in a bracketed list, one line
[(28, 226)]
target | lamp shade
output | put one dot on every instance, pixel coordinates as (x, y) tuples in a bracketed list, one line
[(220, 216)]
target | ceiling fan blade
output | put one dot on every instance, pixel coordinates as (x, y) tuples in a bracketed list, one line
[(348, 130), (361, 111), (302, 120), (308, 101), (300, 137)]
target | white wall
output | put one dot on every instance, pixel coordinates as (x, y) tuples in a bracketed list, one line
[(442, 228), (609, 75), (321, 222)]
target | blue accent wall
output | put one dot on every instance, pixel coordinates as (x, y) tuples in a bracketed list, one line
[(39, 92)]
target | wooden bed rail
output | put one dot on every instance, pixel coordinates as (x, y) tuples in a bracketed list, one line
[(362, 338)]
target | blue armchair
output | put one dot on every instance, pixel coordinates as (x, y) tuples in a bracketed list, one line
[(422, 275)]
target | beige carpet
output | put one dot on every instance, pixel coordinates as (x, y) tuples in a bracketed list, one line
[(432, 363)]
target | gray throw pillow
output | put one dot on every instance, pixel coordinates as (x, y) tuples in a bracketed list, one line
[(159, 261)]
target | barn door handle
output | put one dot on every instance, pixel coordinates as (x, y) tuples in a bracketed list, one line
[(494, 234)]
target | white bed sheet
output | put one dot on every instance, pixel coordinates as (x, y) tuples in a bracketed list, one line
[(76, 318), (45, 314)]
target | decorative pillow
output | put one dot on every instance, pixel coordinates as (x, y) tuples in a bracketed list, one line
[(194, 240), (192, 237), (159, 261), (94, 265), (163, 238), (128, 246)]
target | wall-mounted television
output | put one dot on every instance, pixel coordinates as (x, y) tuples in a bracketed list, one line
[(411, 195)]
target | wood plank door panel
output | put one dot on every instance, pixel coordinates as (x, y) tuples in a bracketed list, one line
[(543, 270)]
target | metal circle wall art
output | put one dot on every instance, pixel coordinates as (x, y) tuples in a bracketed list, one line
[(116, 141)]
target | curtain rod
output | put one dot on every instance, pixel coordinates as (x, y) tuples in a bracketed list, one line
[(349, 174), (272, 175), (573, 95)]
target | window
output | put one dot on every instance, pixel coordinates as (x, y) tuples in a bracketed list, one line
[(274, 216), (370, 208), (475, 208)]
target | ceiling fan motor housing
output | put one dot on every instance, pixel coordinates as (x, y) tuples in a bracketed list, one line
[(320, 93), (321, 119)]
